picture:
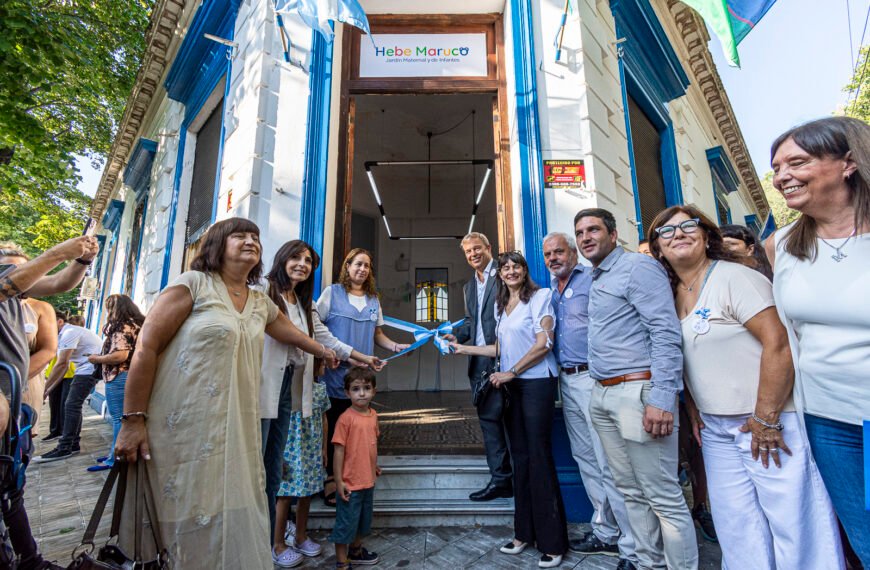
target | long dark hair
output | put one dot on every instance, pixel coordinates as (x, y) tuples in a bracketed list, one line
[(280, 283), (715, 246), (344, 277), (120, 311), (748, 237), (832, 137), (210, 258), (503, 294)]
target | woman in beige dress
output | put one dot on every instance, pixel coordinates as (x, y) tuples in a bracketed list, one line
[(195, 383)]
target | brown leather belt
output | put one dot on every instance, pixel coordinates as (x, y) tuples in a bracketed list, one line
[(575, 369), (631, 377)]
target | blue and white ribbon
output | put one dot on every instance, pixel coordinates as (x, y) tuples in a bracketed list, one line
[(423, 335)]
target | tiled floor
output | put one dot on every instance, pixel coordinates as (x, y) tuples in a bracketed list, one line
[(61, 495)]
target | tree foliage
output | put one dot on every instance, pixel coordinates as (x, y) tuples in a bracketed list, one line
[(66, 68), (858, 88)]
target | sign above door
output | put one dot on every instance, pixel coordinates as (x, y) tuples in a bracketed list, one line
[(424, 55)]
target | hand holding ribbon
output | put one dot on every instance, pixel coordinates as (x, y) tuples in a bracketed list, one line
[(423, 335)]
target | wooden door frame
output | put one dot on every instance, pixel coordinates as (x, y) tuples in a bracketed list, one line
[(494, 84)]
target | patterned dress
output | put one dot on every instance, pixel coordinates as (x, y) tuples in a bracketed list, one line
[(303, 473)]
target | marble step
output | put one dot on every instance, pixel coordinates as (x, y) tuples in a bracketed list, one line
[(428, 490)]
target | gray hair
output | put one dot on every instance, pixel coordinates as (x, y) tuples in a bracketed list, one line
[(572, 245), (475, 235)]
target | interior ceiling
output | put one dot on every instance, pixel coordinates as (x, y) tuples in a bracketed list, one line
[(395, 127)]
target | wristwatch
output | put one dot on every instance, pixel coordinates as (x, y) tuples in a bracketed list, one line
[(513, 371)]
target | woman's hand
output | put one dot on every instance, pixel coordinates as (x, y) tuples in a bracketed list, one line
[(500, 378), (456, 348), (94, 358), (398, 347), (766, 442), (330, 358), (132, 440), (372, 362), (695, 418)]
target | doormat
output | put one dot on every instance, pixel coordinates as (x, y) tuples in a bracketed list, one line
[(428, 423)]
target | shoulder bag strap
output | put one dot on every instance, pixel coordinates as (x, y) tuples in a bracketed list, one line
[(100, 507)]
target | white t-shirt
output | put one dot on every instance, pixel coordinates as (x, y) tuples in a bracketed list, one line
[(722, 359), (359, 302), (83, 343), (824, 303), (516, 334)]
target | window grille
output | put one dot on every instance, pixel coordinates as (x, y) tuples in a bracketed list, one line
[(431, 295)]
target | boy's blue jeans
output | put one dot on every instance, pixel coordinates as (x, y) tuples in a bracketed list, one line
[(353, 518)]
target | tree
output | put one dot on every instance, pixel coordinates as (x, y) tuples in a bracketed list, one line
[(66, 68), (858, 88)]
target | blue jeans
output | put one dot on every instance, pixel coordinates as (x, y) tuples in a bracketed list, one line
[(839, 452), (274, 433), (115, 403)]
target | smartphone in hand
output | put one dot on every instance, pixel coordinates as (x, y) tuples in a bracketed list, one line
[(90, 226)]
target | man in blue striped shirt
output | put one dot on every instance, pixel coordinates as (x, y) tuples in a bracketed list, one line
[(635, 355)]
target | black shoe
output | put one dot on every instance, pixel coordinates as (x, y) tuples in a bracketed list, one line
[(492, 491), (55, 455), (704, 521), (625, 564), (52, 436), (591, 545), (362, 557)]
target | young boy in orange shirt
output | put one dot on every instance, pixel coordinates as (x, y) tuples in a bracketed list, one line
[(356, 468)]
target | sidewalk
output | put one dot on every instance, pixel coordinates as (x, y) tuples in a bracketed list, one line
[(60, 497)]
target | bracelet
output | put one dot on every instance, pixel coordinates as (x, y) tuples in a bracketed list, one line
[(395, 347), (128, 415), (84, 262), (777, 426)]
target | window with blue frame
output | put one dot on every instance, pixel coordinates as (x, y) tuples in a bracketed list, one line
[(135, 246), (725, 181), (202, 187), (646, 144)]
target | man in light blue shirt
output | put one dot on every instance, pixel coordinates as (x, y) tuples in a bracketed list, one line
[(570, 301), (635, 355)]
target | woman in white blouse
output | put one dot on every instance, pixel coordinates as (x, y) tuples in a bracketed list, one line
[(822, 268), (288, 373), (739, 375), (528, 371)]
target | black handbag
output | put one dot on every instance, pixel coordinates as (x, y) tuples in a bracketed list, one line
[(483, 388), (110, 556)]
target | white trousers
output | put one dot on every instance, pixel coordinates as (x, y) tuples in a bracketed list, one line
[(645, 471), (609, 518), (766, 519)]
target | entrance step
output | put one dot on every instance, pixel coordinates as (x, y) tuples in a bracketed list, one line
[(427, 490)]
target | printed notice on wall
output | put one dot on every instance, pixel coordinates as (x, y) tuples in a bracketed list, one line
[(565, 174), (423, 55)]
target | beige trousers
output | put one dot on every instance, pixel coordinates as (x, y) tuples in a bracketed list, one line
[(645, 472)]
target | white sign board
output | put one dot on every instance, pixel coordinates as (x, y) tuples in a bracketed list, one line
[(423, 55)]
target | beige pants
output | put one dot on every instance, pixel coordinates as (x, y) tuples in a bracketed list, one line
[(33, 397), (645, 472)]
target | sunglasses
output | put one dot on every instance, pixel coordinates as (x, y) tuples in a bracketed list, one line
[(687, 227)]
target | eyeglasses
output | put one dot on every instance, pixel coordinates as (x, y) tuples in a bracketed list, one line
[(688, 227)]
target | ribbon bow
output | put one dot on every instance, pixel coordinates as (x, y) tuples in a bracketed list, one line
[(423, 335), (703, 314)]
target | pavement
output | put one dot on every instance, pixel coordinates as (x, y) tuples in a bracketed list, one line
[(60, 498)]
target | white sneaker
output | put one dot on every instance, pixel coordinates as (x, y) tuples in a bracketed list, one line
[(309, 548), (290, 534), (287, 559)]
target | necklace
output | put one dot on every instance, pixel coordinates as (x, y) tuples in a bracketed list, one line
[(838, 255), (691, 286)]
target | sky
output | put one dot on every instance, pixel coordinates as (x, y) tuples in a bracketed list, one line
[(794, 66)]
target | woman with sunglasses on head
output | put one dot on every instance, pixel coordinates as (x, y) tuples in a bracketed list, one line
[(822, 268), (738, 372), (527, 369)]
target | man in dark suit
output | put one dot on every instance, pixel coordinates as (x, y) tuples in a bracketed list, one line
[(479, 329)]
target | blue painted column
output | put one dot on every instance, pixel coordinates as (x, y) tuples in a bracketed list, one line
[(577, 506), (313, 214), (529, 134)]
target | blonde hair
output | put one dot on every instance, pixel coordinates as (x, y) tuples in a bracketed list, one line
[(10, 249)]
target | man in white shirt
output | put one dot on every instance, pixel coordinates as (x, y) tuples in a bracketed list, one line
[(74, 344), (479, 329)]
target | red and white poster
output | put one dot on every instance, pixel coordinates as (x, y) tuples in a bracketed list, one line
[(565, 174)]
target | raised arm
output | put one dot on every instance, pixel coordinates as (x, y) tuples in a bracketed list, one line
[(173, 307), (32, 278)]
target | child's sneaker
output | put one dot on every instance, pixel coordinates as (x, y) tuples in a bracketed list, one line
[(362, 556), (290, 534), (287, 559), (309, 548)]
